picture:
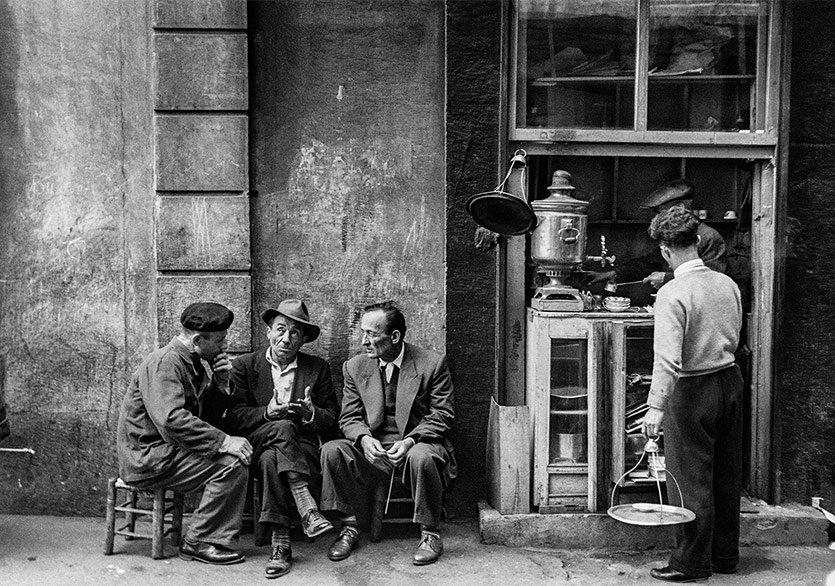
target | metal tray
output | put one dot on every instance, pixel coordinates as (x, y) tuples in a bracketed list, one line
[(651, 514)]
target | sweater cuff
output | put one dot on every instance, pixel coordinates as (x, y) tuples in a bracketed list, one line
[(657, 399)]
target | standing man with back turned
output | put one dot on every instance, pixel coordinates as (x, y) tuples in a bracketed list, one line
[(396, 416), (697, 391), (166, 437)]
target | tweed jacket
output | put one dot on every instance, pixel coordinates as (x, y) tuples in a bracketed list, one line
[(165, 410), (252, 385), (424, 407)]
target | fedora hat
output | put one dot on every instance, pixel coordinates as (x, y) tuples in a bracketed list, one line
[(296, 310)]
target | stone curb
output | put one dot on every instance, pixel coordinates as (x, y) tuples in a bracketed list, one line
[(761, 524)]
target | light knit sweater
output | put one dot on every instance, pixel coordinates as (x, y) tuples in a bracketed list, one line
[(698, 316)]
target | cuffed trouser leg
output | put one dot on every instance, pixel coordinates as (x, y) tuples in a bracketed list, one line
[(279, 450), (217, 519), (423, 475)]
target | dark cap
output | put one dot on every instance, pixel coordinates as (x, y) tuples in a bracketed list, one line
[(296, 310), (672, 191), (207, 317)]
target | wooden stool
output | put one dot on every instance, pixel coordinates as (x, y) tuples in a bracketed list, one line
[(166, 516), (401, 507)]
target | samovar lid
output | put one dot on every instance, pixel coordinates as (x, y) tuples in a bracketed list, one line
[(560, 199)]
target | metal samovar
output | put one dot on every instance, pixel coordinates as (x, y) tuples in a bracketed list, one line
[(558, 245)]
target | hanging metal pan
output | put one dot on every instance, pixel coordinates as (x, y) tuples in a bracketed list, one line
[(501, 212)]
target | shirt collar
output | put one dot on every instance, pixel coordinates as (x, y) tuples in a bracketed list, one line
[(689, 266), (275, 364), (397, 361)]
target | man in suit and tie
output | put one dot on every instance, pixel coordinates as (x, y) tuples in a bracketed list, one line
[(397, 410), (285, 405)]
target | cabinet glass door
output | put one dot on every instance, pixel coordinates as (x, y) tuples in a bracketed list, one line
[(638, 378), (568, 408)]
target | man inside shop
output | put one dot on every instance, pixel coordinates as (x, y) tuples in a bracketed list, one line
[(651, 268), (696, 391)]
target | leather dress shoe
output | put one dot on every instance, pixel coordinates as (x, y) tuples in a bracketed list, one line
[(667, 574), (347, 541), (280, 562), (314, 523), (429, 549), (209, 553)]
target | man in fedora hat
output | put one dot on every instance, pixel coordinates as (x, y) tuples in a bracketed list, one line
[(284, 403), (166, 435), (652, 268)]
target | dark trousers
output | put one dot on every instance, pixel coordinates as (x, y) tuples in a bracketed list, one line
[(217, 519), (278, 449), (703, 447), (346, 475)]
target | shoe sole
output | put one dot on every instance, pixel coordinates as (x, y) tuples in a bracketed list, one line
[(278, 575), (685, 581), (417, 563), (193, 558), (319, 531), (334, 558)]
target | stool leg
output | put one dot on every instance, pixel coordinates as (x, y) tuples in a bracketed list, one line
[(110, 517), (177, 519), (130, 518), (377, 507), (158, 522)]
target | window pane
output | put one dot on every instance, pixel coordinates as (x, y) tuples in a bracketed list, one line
[(702, 64), (576, 63)]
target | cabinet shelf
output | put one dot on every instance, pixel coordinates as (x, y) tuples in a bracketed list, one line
[(583, 412)]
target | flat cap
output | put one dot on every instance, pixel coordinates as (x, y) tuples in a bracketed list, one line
[(672, 191), (207, 317)]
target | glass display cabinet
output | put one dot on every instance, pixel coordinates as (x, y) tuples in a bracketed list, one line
[(587, 376)]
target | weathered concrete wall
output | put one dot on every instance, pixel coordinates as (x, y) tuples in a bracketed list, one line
[(347, 155), (76, 235), (474, 83), (807, 414)]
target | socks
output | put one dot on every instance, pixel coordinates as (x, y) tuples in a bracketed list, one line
[(350, 521), (281, 536), (301, 494)]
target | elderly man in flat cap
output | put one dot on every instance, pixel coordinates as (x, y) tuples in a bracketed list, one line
[(284, 403), (652, 268), (166, 438)]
